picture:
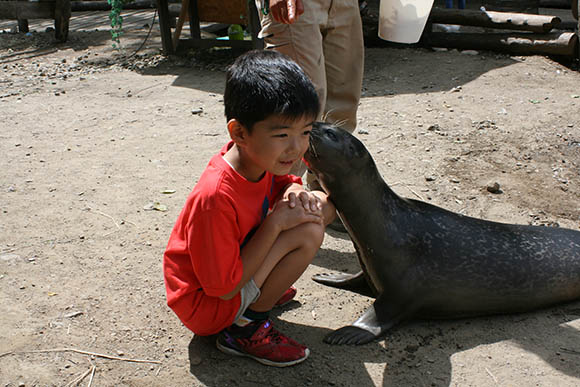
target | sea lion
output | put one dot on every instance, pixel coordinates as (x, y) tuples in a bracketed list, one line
[(420, 260)]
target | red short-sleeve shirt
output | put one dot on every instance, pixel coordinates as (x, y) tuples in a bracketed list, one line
[(202, 260)]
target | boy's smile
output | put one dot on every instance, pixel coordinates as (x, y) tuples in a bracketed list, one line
[(273, 145)]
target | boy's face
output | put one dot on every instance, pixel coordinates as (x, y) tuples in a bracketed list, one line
[(275, 144)]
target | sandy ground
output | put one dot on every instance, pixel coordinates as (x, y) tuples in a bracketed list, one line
[(90, 141)]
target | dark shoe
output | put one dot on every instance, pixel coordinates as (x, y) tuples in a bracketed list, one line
[(266, 345)]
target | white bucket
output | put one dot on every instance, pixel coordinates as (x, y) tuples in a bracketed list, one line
[(403, 21)]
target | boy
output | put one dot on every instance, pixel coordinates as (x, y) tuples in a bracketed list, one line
[(249, 230)]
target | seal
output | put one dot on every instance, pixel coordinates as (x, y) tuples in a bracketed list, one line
[(420, 260)]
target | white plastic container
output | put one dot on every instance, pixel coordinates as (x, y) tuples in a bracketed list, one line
[(403, 21)]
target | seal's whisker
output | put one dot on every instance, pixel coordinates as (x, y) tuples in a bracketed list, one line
[(313, 150)]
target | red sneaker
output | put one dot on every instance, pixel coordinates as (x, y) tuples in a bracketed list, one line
[(266, 345), (287, 296)]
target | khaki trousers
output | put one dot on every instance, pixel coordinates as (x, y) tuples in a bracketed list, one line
[(327, 42)]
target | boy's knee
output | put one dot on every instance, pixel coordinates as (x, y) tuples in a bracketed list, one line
[(312, 236)]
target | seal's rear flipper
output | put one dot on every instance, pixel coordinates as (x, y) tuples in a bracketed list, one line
[(349, 335), (353, 282)]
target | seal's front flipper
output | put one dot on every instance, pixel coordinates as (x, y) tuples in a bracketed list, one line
[(354, 282), (367, 328)]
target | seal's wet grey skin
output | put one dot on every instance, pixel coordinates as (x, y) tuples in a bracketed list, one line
[(421, 260)]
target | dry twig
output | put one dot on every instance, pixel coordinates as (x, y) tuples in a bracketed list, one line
[(107, 215), (490, 374), (85, 353), (78, 379), (92, 375)]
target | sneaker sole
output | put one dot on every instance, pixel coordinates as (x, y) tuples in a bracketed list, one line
[(231, 351)]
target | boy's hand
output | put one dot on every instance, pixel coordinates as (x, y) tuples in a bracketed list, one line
[(309, 200), (287, 217), (286, 11)]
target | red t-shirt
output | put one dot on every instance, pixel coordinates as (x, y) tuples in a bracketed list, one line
[(202, 260)]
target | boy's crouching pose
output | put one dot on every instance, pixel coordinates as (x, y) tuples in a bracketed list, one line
[(248, 229)]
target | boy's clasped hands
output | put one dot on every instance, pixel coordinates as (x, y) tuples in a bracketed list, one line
[(297, 206)]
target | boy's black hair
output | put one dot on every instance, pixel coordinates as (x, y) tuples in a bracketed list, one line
[(261, 83)]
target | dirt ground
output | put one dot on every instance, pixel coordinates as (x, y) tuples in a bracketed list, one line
[(91, 141)]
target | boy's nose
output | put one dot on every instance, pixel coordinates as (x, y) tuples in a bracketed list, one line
[(295, 144)]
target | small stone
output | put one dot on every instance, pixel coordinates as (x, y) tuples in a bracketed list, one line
[(363, 131), (197, 111), (494, 188)]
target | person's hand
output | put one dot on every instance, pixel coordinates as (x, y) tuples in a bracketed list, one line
[(286, 11), (310, 202), (288, 216)]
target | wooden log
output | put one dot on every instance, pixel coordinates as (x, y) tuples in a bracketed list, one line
[(14, 10), (521, 6), (81, 6), (491, 19), (561, 4), (561, 44)]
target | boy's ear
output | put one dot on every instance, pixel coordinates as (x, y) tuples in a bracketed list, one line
[(238, 132)]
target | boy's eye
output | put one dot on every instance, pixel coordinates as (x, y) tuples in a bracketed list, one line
[(306, 133), (280, 135)]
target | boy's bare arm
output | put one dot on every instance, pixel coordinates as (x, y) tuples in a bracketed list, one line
[(282, 217)]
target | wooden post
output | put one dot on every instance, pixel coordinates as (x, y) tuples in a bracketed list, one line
[(576, 6), (23, 25), (254, 25), (164, 26), (61, 19), (194, 27)]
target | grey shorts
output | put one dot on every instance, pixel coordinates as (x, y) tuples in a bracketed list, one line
[(250, 293)]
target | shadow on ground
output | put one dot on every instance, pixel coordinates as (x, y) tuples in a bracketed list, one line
[(416, 353)]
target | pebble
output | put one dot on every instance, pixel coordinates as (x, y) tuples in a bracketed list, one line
[(494, 188)]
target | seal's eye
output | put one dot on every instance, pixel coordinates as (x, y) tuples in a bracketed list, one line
[(330, 134)]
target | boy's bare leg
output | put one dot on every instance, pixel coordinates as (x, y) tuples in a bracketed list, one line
[(289, 257), (287, 260)]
